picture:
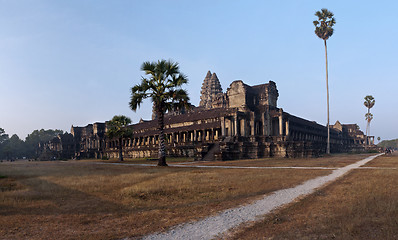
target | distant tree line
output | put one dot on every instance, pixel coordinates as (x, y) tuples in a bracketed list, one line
[(15, 148), (389, 144)]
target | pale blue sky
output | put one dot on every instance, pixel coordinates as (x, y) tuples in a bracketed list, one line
[(74, 62)]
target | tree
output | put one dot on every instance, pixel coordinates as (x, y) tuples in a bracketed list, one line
[(324, 30), (3, 136), (163, 86), (118, 128), (4, 148), (33, 140), (16, 147), (11, 148), (369, 103)]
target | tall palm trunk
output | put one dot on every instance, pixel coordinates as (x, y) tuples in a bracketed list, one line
[(120, 149), (162, 151), (367, 128), (327, 95)]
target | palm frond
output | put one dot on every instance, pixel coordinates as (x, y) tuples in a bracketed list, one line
[(369, 101), (117, 127), (136, 100), (324, 24), (148, 68), (163, 86)]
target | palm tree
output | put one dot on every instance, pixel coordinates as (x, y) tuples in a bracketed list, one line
[(324, 30), (368, 118), (163, 86), (369, 103), (118, 128)]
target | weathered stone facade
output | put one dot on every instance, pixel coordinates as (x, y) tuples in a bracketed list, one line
[(211, 95), (243, 122), (60, 147), (89, 140)]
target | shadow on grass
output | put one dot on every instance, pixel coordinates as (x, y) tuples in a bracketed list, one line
[(41, 197)]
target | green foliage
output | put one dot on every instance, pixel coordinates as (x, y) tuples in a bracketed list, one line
[(369, 101), (117, 127), (389, 143), (42, 135), (324, 24), (14, 147), (3, 143), (39, 136), (368, 117), (324, 30), (3, 136), (163, 86)]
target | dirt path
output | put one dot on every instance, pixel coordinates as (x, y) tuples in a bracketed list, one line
[(211, 227)]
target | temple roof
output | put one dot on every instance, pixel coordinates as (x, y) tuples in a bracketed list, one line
[(210, 91), (196, 115)]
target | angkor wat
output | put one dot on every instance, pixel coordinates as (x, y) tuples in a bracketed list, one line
[(244, 122)]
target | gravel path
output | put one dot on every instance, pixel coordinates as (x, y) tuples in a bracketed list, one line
[(211, 227)]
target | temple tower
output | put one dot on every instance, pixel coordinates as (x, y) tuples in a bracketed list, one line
[(211, 91)]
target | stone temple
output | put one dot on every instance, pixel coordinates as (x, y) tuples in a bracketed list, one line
[(244, 122)]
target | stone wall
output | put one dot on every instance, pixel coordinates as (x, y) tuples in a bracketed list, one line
[(244, 122)]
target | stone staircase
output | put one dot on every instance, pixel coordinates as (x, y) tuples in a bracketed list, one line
[(212, 150)]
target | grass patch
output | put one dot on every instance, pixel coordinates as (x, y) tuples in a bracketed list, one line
[(384, 161), (151, 160), (333, 161), (362, 205), (87, 200)]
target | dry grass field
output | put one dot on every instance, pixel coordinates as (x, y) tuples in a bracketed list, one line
[(87, 200), (333, 161), (362, 205), (170, 160)]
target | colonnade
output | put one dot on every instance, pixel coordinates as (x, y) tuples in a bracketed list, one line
[(179, 137), (240, 124)]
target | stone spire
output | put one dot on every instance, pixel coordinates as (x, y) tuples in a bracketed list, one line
[(211, 90)]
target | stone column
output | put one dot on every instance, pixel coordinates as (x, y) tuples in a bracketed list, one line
[(246, 132), (266, 123), (287, 127), (222, 126), (281, 122), (252, 127), (231, 127), (236, 125)]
